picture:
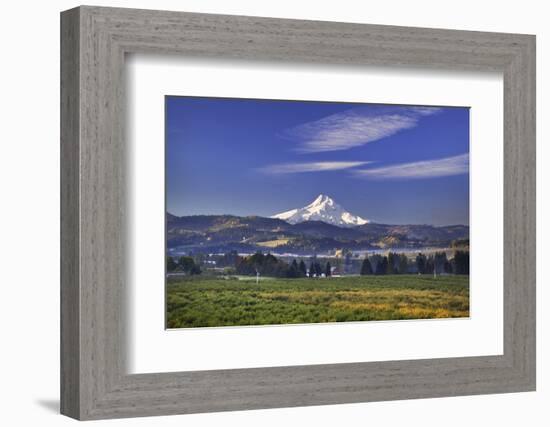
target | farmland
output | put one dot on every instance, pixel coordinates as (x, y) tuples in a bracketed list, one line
[(209, 301)]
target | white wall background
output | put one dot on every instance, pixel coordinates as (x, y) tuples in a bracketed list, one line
[(29, 179)]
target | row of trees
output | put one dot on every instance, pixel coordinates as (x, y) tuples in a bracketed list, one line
[(392, 264), (269, 265), (316, 270), (395, 263), (184, 264), (266, 265)]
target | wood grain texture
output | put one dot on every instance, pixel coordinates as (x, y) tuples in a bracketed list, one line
[(70, 297), (94, 382)]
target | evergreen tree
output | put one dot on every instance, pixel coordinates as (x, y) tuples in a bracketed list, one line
[(171, 265), (229, 259), (403, 264), (347, 262), (440, 259), (269, 265), (421, 263), (430, 266), (366, 268), (318, 269), (392, 258), (374, 261), (328, 270), (462, 262), (302, 268), (187, 265), (311, 270), (391, 263), (293, 270), (195, 269), (382, 266)]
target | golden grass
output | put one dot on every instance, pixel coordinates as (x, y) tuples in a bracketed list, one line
[(216, 302), (273, 243), (410, 303)]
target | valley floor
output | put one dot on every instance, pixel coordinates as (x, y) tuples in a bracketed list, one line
[(202, 301)]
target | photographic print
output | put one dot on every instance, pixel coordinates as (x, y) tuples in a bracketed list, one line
[(298, 212)]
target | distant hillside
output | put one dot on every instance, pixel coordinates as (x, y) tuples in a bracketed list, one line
[(418, 232), (222, 233)]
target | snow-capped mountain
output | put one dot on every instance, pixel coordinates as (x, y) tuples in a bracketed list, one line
[(323, 208)]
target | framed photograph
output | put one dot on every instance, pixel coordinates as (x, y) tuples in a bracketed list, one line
[(262, 213), (233, 260)]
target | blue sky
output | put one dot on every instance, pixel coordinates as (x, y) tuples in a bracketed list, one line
[(390, 164)]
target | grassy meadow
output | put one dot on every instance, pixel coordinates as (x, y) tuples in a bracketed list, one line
[(203, 301)]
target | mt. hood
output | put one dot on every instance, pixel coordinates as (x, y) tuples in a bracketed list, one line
[(323, 208)]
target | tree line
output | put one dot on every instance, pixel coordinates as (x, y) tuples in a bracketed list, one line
[(395, 263), (269, 265), (184, 264)]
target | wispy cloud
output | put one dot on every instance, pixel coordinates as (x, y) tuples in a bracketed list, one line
[(285, 168), (448, 166), (355, 127)]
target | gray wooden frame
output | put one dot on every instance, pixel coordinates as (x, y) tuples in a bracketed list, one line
[(94, 382)]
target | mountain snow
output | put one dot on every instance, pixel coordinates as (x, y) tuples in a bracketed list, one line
[(323, 208)]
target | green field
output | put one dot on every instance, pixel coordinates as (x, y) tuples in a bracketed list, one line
[(202, 301)]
